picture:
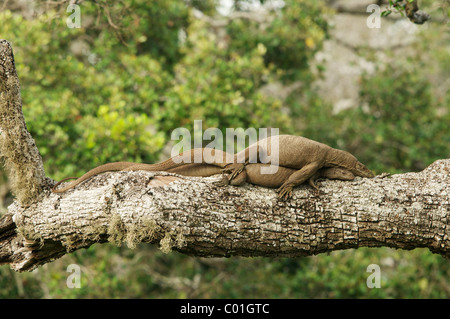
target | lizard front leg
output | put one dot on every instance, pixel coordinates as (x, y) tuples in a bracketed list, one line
[(297, 178), (331, 173)]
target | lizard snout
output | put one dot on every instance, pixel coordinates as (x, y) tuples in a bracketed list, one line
[(362, 170)]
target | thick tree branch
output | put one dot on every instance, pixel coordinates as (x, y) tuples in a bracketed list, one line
[(195, 217)]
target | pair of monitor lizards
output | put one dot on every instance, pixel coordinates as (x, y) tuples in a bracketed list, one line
[(298, 160)]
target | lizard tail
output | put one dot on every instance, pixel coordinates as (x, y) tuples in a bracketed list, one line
[(54, 190), (193, 156), (110, 167), (178, 161)]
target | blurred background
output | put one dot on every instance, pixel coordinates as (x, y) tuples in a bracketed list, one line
[(114, 89)]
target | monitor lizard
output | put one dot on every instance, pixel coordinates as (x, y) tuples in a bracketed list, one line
[(297, 152), (251, 174), (299, 160)]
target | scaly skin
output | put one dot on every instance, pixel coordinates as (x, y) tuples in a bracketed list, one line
[(251, 174), (299, 160), (254, 176), (331, 173), (171, 163), (304, 155)]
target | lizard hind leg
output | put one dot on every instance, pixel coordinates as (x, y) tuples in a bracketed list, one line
[(233, 170), (238, 180), (241, 160)]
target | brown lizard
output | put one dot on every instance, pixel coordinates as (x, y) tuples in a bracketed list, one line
[(251, 174), (177, 161), (304, 155), (175, 165)]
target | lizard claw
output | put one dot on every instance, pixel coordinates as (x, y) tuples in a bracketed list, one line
[(223, 182), (234, 170), (311, 182), (284, 192)]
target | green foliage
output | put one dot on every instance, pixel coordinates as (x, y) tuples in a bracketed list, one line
[(312, 115), (136, 70), (101, 96), (80, 113), (291, 39), (112, 272), (402, 123), (154, 29), (219, 86), (397, 6)]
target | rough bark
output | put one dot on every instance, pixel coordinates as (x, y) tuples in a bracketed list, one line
[(17, 147), (195, 217)]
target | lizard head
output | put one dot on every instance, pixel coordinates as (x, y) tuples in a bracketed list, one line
[(345, 160), (361, 170), (338, 173)]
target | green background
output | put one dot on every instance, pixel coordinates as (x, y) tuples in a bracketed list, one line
[(115, 88)]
